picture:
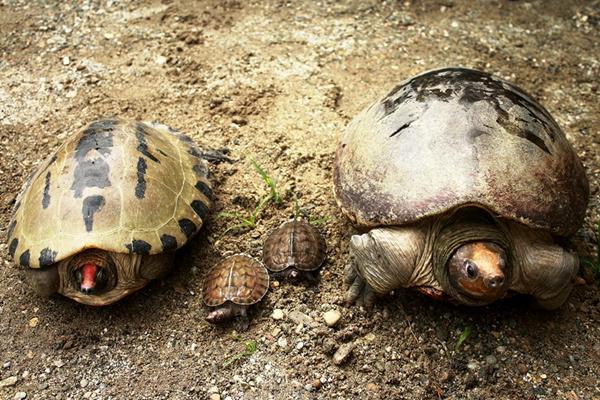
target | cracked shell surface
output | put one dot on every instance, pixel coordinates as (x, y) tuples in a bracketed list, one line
[(454, 137), (294, 244), (239, 279), (116, 185)]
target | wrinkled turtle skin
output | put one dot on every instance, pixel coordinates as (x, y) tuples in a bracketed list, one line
[(121, 195), (294, 249), (460, 150), (232, 285)]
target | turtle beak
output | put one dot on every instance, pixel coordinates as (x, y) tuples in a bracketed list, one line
[(89, 274)]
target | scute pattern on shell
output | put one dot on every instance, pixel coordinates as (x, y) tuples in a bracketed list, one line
[(294, 244), (239, 279), (454, 137), (116, 185)]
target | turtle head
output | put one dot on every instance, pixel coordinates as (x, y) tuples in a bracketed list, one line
[(92, 272), (479, 270)]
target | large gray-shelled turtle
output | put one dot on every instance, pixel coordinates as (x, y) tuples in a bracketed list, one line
[(466, 184), (103, 215)]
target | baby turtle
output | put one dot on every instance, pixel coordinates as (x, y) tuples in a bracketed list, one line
[(103, 215), (232, 285), (467, 185), (294, 250)]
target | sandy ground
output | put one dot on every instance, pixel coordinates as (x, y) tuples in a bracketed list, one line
[(278, 81)]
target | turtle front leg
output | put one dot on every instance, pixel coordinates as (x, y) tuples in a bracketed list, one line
[(545, 270), (359, 291), (383, 259)]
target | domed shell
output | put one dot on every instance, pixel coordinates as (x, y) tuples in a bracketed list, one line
[(117, 185), (294, 244), (454, 137), (239, 279)]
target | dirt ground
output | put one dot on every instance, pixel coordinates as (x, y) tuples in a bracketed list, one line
[(278, 81)]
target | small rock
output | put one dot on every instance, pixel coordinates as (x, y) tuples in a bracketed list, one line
[(522, 368), (491, 360), (10, 381), (277, 314), (33, 322), (372, 387), (161, 60), (20, 396), (301, 318), (66, 60), (342, 353), (329, 346), (316, 384), (472, 365), (500, 349), (299, 345), (332, 317), (282, 342), (58, 363), (215, 396), (84, 382)]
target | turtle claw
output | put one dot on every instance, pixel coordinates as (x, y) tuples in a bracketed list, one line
[(359, 292), (242, 323)]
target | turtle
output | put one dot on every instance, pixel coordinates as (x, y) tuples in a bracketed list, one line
[(232, 285), (462, 186), (103, 215), (294, 250)]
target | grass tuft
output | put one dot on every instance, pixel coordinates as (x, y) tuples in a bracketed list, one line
[(249, 349), (268, 180), (462, 338), (247, 222)]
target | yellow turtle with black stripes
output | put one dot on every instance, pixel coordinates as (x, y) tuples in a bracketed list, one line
[(104, 214)]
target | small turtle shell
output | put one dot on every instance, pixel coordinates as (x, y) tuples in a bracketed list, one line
[(294, 244), (239, 279)]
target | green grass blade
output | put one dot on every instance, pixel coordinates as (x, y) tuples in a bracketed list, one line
[(268, 180), (462, 338)]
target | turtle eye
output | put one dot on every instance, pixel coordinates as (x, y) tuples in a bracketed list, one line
[(471, 269), (100, 275), (78, 275)]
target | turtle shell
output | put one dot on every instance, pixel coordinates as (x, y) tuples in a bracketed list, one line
[(454, 137), (294, 244), (119, 186), (239, 279)]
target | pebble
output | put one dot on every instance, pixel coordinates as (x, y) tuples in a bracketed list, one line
[(277, 314), (215, 396), (372, 387), (522, 368), (84, 382), (332, 317), (282, 342), (491, 360), (299, 345), (66, 60), (472, 365), (342, 353), (161, 60), (301, 318), (20, 396), (33, 322), (500, 349), (10, 381)]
